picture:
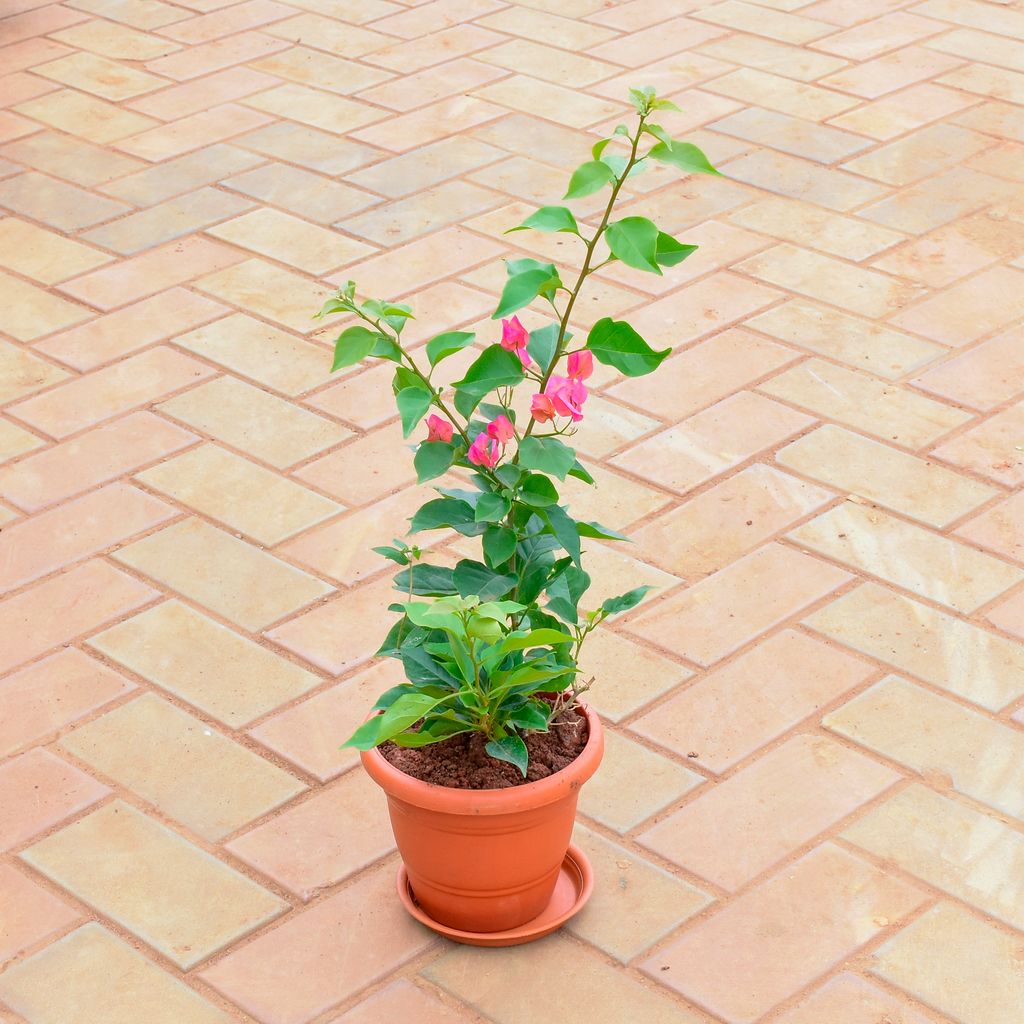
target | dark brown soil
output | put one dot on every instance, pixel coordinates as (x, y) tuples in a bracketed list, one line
[(462, 763)]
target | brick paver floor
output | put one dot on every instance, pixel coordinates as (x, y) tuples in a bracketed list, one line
[(812, 805)]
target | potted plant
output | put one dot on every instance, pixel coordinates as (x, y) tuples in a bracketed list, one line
[(483, 749)]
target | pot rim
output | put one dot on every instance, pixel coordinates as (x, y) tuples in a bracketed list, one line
[(530, 795)]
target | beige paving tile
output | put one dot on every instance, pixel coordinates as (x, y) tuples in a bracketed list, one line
[(780, 24), (568, 107), (226, 575), (31, 914), (953, 961), (186, 770), (321, 70), (330, 35), (914, 487), (204, 663), (43, 255), (314, 107), (313, 249), (244, 496), (268, 291), (554, 976), (752, 51), (850, 999), (310, 734), (73, 977), (720, 719), (945, 843), (115, 41), (644, 903), (87, 117), (33, 312), (37, 791), (991, 449), (818, 912), (316, 959), (255, 421), (404, 1000), (187, 64), (265, 354), (70, 158), (932, 566), (190, 97), (100, 76), (818, 142), (798, 99), (1000, 529), (174, 896), (769, 809), (721, 613), (983, 377), (42, 698), (610, 800), (944, 742), (321, 841), (22, 373), (947, 652)]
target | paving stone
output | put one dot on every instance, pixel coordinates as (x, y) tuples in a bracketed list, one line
[(177, 898), (72, 159), (956, 963), (316, 959), (87, 117), (818, 912), (24, 373), (204, 663), (73, 977), (182, 767), (991, 449), (403, 1000), (608, 800), (1000, 528), (33, 313), (42, 255), (31, 914), (914, 487), (551, 977), (985, 376), (948, 845), (935, 647), (226, 575), (849, 999), (935, 567), (100, 76)]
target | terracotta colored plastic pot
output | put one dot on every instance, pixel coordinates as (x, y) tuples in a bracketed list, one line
[(485, 860)]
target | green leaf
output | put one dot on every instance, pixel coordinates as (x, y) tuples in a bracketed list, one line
[(616, 162), (588, 178), (441, 512), (642, 98), (427, 581), (622, 603), (396, 555), (634, 240), (413, 404), (547, 454), (535, 716), (524, 263), (670, 251), (432, 459), (520, 291), (684, 155), (353, 345), (599, 147), (422, 669), (499, 544), (615, 343), (659, 133), (512, 749), (475, 579), (444, 345), (599, 532), (491, 507), (404, 712), (564, 529), (538, 491), (664, 105), (549, 218), (536, 638), (493, 368), (580, 473), (386, 349), (542, 343)]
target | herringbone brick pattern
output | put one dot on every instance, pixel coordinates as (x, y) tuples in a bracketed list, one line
[(812, 807)]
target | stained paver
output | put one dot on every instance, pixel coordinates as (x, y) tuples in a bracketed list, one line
[(822, 481)]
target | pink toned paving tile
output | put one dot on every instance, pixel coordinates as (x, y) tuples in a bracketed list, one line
[(310, 734), (78, 529), (941, 257), (69, 158), (95, 457), (992, 449), (316, 959), (58, 610), (1000, 528), (151, 272), (119, 334), (37, 701), (419, 127), (194, 61), (22, 373), (815, 914), (112, 391), (893, 71), (426, 51), (781, 24), (31, 51), (238, 18), (323, 840), (192, 97), (32, 313), (37, 791), (722, 719), (20, 86), (717, 616), (726, 521), (850, 999), (713, 441), (193, 132), (402, 1000), (733, 832), (31, 914)]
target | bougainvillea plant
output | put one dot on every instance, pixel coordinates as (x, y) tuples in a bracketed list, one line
[(485, 643)]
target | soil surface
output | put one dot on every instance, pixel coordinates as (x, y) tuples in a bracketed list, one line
[(461, 762)]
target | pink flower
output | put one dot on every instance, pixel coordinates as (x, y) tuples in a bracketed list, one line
[(439, 429), (484, 451), (501, 430), (566, 397), (581, 365), (514, 339), (542, 408)]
